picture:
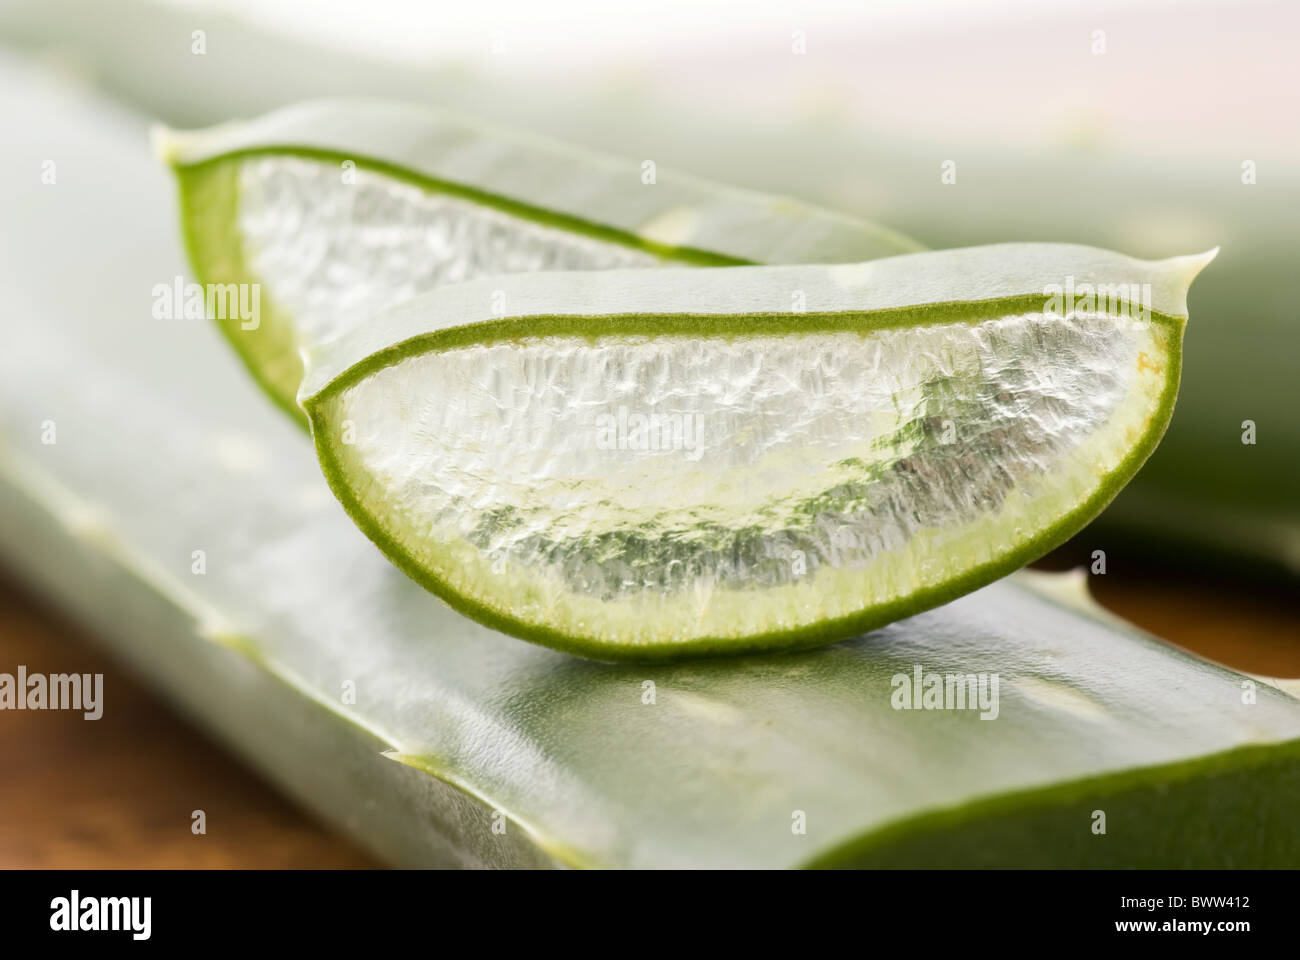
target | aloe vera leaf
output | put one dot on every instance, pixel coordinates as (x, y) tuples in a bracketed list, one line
[(922, 425), (337, 209), (156, 458)]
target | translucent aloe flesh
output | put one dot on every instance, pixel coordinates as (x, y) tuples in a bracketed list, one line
[(156, 458), (338, 209), (651, 463)]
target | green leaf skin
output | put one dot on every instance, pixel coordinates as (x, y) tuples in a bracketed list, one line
[(675, 218), (898, 293), (163, 447)]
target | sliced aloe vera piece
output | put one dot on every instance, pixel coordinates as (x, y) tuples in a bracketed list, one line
[(583, 762), (652, 463), (338, 209)]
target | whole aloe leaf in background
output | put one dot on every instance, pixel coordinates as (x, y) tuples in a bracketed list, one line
[(163, 449)]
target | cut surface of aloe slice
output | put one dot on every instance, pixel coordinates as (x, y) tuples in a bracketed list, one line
[(649, 463), (338, 209)]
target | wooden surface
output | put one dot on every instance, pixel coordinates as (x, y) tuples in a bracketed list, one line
[(118, 792), (1250, 628)]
